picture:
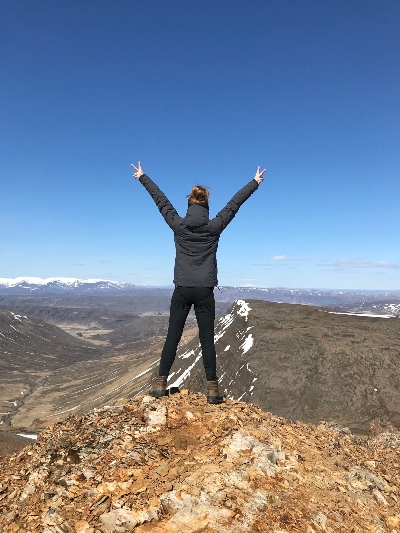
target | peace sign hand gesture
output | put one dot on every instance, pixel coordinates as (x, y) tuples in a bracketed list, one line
[(139, 172), (259, 175)]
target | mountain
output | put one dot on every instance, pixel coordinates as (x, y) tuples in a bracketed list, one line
[(298, 361), (378, 302), (30, 344), (390, 306), (30, 350), (121, 296), (118, 330), (49, 286), (46, 373), (302, 362), (146, 301), (179, 465)]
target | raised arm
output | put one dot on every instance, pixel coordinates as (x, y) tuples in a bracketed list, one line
[(165, 207), (226, 215)]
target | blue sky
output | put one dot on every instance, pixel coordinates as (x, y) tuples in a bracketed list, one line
[(202, 92)]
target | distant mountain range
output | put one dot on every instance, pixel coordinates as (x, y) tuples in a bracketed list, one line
[(375, 302), (51, 286)]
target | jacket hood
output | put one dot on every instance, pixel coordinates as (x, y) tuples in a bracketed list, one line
[(196, 216)]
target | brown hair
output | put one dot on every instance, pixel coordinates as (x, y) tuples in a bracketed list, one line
[(198, 195)]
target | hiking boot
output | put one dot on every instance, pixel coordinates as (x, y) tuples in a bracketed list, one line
[(213, 395), (160, 384)]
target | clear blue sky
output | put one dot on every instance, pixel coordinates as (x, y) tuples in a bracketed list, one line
[(202, 92)]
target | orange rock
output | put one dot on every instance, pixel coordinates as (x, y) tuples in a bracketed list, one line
[(83, 527), (250, 471)]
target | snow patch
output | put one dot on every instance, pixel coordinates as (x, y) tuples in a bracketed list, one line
[(361, 314), (67, 410), (247, 344), (185, 374), (186, 355), (244, 309)]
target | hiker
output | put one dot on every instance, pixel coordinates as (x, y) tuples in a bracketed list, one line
[(195, 274)]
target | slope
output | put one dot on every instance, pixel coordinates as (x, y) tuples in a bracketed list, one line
[(304, 363), (30, 350), (47, 373), (180, 465)]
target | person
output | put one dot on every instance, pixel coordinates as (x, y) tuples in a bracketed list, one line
[(195, 273)]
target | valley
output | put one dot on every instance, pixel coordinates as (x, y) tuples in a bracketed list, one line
[(69, 353), (59, 360)]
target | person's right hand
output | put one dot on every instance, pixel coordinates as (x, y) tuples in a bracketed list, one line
[(139, 172), (259, 175)]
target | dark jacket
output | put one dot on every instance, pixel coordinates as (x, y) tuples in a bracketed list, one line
[(196, 236)]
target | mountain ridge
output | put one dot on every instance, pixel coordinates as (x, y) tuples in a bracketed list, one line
[(297, 361), (303, 363), (157, 299)]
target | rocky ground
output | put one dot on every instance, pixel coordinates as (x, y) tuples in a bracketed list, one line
[(181, 465)]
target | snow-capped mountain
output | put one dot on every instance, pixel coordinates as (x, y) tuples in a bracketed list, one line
[(33, 286), (377, 302)]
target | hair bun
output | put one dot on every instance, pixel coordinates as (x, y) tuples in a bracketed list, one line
[(198, 195)]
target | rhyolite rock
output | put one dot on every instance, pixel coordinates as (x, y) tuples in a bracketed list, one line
[(180, 465)]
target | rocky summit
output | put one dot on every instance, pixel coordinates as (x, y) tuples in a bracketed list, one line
[(179, 465)]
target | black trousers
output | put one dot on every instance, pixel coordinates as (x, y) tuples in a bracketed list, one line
[(204, 306)]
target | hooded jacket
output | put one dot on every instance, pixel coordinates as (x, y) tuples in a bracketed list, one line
[(196, 236)]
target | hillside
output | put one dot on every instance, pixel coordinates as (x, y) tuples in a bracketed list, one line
[(80, 376), (156, 302), (181, 465), (303, 363), (28, 343), (46, 372), (117, 329), (84, 385), (71, 316), (149, 301), (30, 351)]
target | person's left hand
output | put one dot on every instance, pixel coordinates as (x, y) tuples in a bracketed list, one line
[(139, 172), (259, 177)]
